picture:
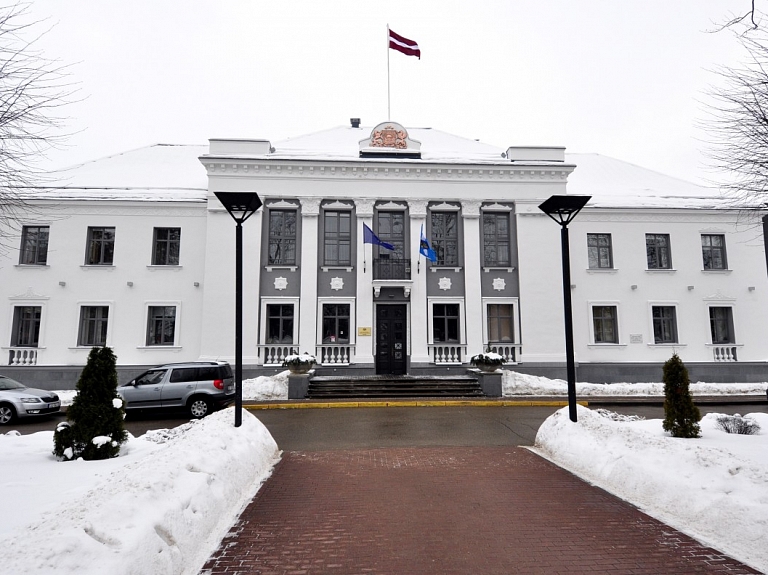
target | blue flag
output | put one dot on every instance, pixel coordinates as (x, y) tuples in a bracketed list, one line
[(425, 249), (370, 238)]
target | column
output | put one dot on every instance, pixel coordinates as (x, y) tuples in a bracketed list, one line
[(473, 261), (417, 210), (310, 210), (364, 295)]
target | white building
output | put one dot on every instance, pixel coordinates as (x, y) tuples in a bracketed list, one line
[(134, 251)]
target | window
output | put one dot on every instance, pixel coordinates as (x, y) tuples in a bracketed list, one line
[(604, 324), (279, 323), (391, 229), (93, 326), (599, 251), (26, 326), (496, 239), (445, 322), (713, 252), (500, 323), (664, 324), (445, 238), (335, 323), (161, 325), (34, 245), (282, 237), (338, 238), (657, 251), (166, 244), (101, 247), (721, 324)]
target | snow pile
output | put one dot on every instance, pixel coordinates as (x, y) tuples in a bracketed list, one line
[(161, 507), (514, 383), (266, 388), (712, 488)]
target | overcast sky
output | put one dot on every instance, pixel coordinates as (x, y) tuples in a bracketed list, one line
[(624, 78)]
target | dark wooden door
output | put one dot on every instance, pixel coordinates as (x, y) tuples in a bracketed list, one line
[(391, 324)]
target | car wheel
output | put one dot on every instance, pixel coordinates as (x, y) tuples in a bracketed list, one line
[(199, 407), (7, 414)]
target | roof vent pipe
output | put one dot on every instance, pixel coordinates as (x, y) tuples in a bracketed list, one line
[(355, 122)]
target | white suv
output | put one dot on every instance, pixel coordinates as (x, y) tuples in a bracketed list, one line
[(198, 386)]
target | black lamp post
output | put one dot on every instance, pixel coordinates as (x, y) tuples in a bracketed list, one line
[(563, 209), (241, 206)]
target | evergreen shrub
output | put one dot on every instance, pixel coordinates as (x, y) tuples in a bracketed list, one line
[(681, 416)]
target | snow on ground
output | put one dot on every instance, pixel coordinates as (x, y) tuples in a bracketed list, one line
[(712, 488), (161, 507)]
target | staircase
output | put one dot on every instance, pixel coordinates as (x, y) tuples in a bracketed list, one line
[(393, 386)]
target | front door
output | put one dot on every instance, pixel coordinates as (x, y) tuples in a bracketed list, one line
[(391, 324)]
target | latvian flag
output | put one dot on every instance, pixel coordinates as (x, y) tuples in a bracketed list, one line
[(404, 45)]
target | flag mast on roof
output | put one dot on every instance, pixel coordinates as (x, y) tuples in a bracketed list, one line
[(401, 44)]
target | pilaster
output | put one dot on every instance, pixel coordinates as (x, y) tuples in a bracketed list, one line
[(310, 210), (417, 210), (364, 267), (473, 261)]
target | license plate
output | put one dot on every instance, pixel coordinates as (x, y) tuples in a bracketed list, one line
[(230, 388), (57, 404)]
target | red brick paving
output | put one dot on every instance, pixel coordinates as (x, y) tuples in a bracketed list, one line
[(474, 510)]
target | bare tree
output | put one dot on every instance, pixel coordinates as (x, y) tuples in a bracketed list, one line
[(33, 90), (737, 124)]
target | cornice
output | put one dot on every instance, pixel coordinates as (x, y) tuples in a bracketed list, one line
[(292, 169)]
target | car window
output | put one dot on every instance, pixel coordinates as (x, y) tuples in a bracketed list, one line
[(209, 373), (7, 383), (151, 377), (182, 374), (225, 371)]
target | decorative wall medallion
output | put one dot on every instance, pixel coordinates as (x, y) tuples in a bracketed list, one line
[(499, 284), (389, 137), (444, 283), (337, 283), (281, 283)]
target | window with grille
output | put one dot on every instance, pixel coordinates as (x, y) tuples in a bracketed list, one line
[(101, 247), (166, 245), (161, 325), (445, 238), (34, 245), (337, 239), (93, 326), (599, 251), (282, 237), (713, 251), (279, 323), (335, 323), (26, 326), (664, 324), (496, 239), (658, 252), (604, 324)]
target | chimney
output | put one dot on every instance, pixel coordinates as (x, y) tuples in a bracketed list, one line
[(355, 122)]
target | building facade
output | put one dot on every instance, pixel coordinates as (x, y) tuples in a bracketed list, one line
[(135, 252)]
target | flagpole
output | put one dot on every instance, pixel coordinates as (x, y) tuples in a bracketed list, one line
[(389, 116)]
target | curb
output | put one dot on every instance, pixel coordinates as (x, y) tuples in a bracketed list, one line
[(405, 403)]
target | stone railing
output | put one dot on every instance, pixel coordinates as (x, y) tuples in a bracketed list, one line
[(448, 354), (274, 354), (724, 352), (334, 354), (22, 356)]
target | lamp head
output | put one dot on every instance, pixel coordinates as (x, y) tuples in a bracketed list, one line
[(563, 209), (240, 205)]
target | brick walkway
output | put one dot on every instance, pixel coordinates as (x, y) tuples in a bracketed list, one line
[(475, 510)]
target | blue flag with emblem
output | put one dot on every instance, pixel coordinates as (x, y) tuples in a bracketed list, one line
[(425, 249), (370, 238)]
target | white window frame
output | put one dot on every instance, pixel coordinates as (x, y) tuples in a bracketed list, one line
[(110, 317), (176, 325), (606, 303), (514, 302), (664, 303), (722, 303), (462, 317), (350, 301), (265, 301)]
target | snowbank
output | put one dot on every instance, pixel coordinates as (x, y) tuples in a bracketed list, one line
[(712, 488), (163, 508)]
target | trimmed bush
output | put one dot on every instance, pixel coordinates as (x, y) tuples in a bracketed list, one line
[(681, 416), (738, 424), (94, 428)]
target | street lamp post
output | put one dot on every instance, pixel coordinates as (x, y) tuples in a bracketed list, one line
[(562, 209), (241, 206)]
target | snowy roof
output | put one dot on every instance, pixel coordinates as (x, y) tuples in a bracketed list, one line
[(173, 173), (158, 173)]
